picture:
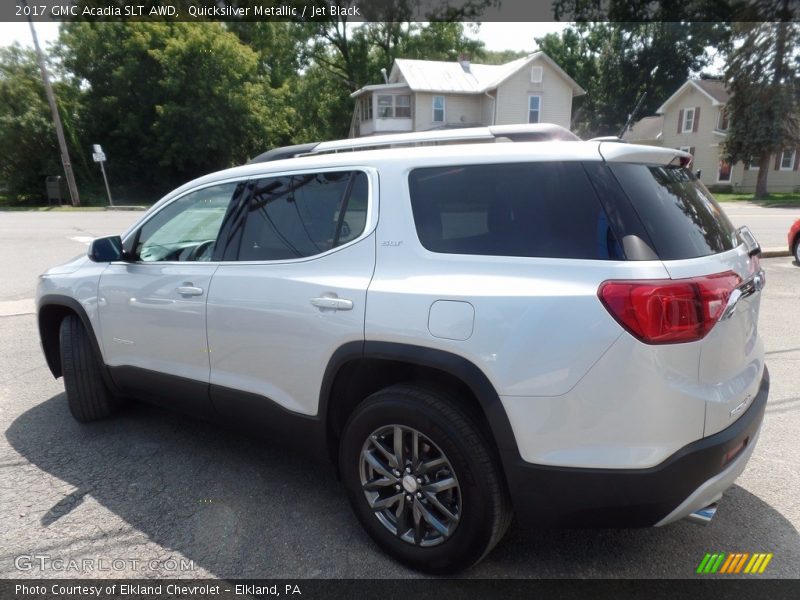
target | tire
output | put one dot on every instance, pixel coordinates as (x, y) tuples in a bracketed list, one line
[(796, 250), (475, 490), (88, 397)]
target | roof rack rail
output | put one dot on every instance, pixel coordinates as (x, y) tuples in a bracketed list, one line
[(282, 152), (608, 138), (539, 132)]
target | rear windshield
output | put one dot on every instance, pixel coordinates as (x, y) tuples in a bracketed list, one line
[(679, 213), (545, 209)]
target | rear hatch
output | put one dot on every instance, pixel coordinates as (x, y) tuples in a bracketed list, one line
[(702, 251)]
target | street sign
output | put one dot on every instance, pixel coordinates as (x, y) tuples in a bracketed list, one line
[(100, 157)]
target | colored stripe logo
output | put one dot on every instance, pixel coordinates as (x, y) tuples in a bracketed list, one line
[(734, 562)]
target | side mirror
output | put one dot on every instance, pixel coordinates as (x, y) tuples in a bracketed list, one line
[(106, 249)]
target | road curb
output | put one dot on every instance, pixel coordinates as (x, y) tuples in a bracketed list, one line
[(774, 252), (125, 208)]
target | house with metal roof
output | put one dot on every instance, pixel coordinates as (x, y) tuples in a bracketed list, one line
[(421, 95), (694, 119)]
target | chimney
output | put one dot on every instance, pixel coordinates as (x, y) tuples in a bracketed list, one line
[(463, 59)]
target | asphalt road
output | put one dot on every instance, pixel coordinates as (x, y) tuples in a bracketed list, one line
[(769, 225), (150, 494)]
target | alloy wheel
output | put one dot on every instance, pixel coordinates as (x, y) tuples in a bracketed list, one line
[(410, 485)]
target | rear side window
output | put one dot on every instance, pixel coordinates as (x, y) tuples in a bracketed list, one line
[(303, 215), (679, 213), (545, 209)]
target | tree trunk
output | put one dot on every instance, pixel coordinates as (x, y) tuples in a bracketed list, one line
[(761, 180), (778, 66)]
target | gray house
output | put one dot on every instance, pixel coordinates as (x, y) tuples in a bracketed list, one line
[(420, 95)]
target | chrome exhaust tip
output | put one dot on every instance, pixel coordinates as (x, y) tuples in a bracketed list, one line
[(704, 515)]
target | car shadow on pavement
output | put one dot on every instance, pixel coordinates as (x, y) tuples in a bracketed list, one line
[(239, 506)]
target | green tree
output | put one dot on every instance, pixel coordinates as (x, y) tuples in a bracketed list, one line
[(618, 62), (763, 76), (173, 100), (576, 50), (436, 41), (500, 57), (323, 106), (213, 110), (28, 147), (628, 11), (120, 80), (280, 47), (356, 56)]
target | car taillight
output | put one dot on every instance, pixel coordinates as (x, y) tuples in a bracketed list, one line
[(669, 311)]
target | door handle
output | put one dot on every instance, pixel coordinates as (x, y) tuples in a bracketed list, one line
[(189, 290), (332, 302)]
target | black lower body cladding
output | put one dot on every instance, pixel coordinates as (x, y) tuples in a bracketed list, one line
[(574, 497)]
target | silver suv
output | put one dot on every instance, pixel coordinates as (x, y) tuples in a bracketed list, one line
[(551, 329)]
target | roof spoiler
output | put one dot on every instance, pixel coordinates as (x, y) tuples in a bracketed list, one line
[(656, 155)]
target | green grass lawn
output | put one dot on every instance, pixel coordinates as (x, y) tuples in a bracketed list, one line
[(785, 199)]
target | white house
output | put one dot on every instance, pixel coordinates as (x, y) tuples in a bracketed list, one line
[(424, 94), (694, 119)]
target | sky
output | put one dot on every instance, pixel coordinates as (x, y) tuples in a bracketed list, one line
[(496, 35)]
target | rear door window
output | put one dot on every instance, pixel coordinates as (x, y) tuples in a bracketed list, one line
[(303, 215), (677, 210), (545, 209)]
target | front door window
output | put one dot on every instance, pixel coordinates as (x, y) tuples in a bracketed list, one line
[(186, 229)]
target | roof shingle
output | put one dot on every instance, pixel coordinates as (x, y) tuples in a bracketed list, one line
[(714, 88), (441, 76)]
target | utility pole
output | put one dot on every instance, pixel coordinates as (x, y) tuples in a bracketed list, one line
[(51, 99)]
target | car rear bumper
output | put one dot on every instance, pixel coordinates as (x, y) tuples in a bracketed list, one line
[(691, 478)]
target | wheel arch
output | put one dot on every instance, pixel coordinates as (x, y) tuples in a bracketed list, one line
[(52, 309), (359, 369)]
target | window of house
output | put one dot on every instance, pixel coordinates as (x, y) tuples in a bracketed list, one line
[(394, 105), (438, 109), (724, 171), (303, 215), (534, 108), (722, 123), (752, 163), (536, 74), (366, 108), (402, 107), (787, 159), (688, 119), (385, 107)]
